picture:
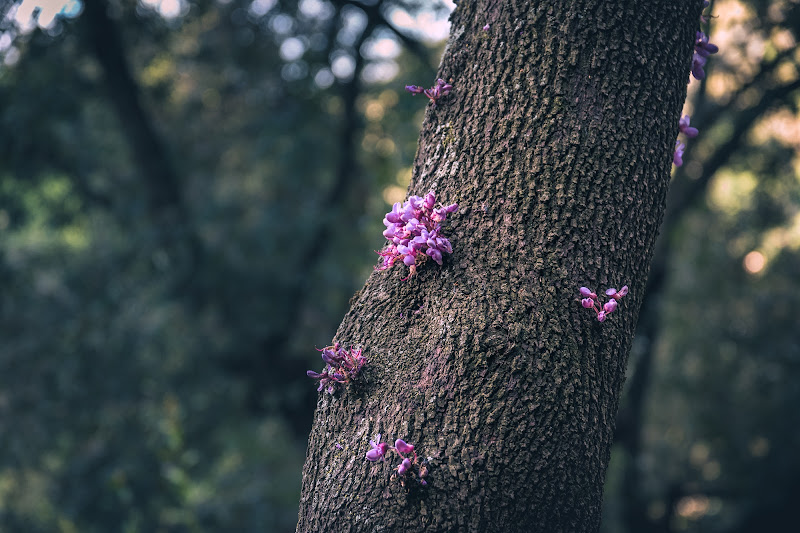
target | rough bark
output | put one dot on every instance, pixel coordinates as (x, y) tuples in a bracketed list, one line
[(557, 144)]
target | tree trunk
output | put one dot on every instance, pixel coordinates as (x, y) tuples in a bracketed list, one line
[(557, 144)]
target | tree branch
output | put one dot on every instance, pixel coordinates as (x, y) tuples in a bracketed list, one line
[(102, 37), (261, 367), (376, 18)]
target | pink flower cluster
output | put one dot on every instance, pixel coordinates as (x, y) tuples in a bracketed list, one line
[(590, 301), (702, 50), (439, 90), (405, 469), (414, 232), (342, 366)]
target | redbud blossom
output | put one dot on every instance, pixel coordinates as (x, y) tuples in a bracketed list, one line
[(405, 470), (404, 467), (702, 49), (439, 90), (677, 157), (413, 230), (686, 129), (403, 447), (342, 366), (378, 450), (607, 308), (588, 293)]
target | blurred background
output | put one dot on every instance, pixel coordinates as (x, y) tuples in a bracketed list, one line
[(191, 191)]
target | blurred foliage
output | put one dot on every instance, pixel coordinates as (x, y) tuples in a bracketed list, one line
[(155, 341), (156, 327), (718, 429)]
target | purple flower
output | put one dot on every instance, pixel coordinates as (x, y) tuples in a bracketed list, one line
[(585, 291), (342, 366), (429, 202), (702, 46), (698, 62), (609, 307), (413, 230), (374, 454), (686, 129), (677, 156), (440, 89), (405, 470), (440, 214), (393, 216), (403, 447), (378, 450), (330, 357), (435, 254), (486, 27), (404, 467), (702, 49)]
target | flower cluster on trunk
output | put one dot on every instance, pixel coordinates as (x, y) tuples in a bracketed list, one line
[(342, 366), (591, 301), (702, 50), (439, 90), (405, 471), (414, 232)]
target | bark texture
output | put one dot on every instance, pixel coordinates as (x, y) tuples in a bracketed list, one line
[(557, 144)]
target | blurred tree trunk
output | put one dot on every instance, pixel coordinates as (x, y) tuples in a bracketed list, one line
[(102, 36), (557, 144)]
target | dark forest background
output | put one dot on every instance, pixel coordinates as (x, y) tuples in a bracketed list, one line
[(191, 191)]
